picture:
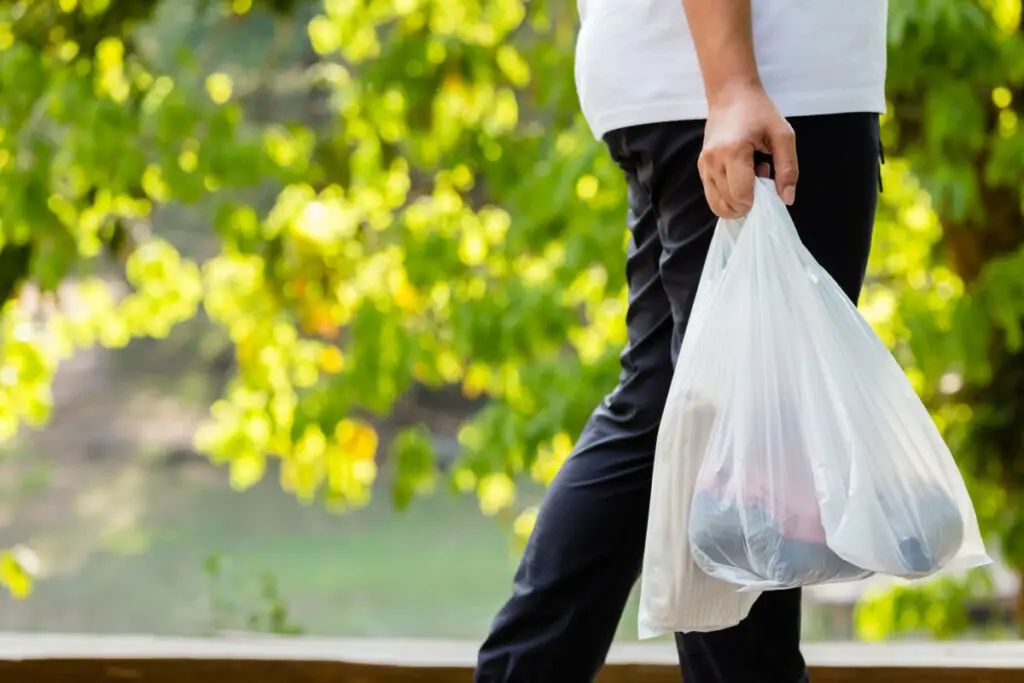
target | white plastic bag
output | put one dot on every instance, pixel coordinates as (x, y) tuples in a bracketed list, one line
[(675, 594), (792, 438)]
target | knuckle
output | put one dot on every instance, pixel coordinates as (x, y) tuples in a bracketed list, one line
[(716, 206), (723, 149), (735, 147), (709, 156)]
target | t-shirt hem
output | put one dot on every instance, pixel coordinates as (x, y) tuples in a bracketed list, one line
[(796, 104)]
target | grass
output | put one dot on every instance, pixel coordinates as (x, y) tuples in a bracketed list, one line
[(440, 569)]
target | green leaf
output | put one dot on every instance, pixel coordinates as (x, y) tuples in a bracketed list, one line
[(416, 473)]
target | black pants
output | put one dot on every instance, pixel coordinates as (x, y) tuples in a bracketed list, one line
[(585, 552)]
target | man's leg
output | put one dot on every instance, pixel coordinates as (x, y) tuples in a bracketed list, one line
[(834, 214), (586, 549)]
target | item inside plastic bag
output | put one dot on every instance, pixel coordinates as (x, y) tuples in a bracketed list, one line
[(774, 534)]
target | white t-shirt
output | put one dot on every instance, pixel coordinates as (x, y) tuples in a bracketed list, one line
[(636, 63)]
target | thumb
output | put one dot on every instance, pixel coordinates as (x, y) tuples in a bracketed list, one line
[(782, 142)]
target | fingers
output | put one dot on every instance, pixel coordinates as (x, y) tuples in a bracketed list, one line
[(740, 172), (728, 177), (712, 176), (782, 143), (728, 172), (716, 197)]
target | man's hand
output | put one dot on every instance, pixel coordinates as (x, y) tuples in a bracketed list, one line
[(742, 120)]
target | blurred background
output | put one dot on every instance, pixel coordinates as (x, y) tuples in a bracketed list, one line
[(305, 301)]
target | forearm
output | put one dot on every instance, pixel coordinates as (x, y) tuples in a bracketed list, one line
[(722, 34)]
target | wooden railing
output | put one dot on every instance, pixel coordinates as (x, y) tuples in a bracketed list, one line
[(141, 659)]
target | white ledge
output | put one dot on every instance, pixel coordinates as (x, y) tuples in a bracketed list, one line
[(462, 654)]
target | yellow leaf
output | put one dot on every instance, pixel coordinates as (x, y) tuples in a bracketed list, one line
[(561, 445), (464, 480), (14, 576), (405, 295), (357, 439), (449, 366), (364, 472), (496, 492), (188, 160), (219, 86), (1006, 14), (436, 52), (422, 372), (523, 526), (462, 177), (587, 187), (475, 383), (322, 322), (407, 298), (332, 361), (311, 445), (247, 470), (513, 66), (550, 459), (153, 184), (916, 379), (1007, 122), (1002, 97), (324, 35), (472, 248)]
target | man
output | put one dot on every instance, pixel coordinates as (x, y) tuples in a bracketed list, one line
[(685, 93)]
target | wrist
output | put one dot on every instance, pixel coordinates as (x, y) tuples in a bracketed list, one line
[(729, 90)]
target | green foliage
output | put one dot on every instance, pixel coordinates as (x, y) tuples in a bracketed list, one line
[(446, 218), (948, 292), (231, 606), (938, 608)]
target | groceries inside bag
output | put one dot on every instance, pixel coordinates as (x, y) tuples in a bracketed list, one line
[(792, 448)]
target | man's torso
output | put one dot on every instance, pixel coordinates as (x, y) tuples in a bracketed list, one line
[(636, 63)]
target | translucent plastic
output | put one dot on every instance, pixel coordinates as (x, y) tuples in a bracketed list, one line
[(792, 438), (676, 594)]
